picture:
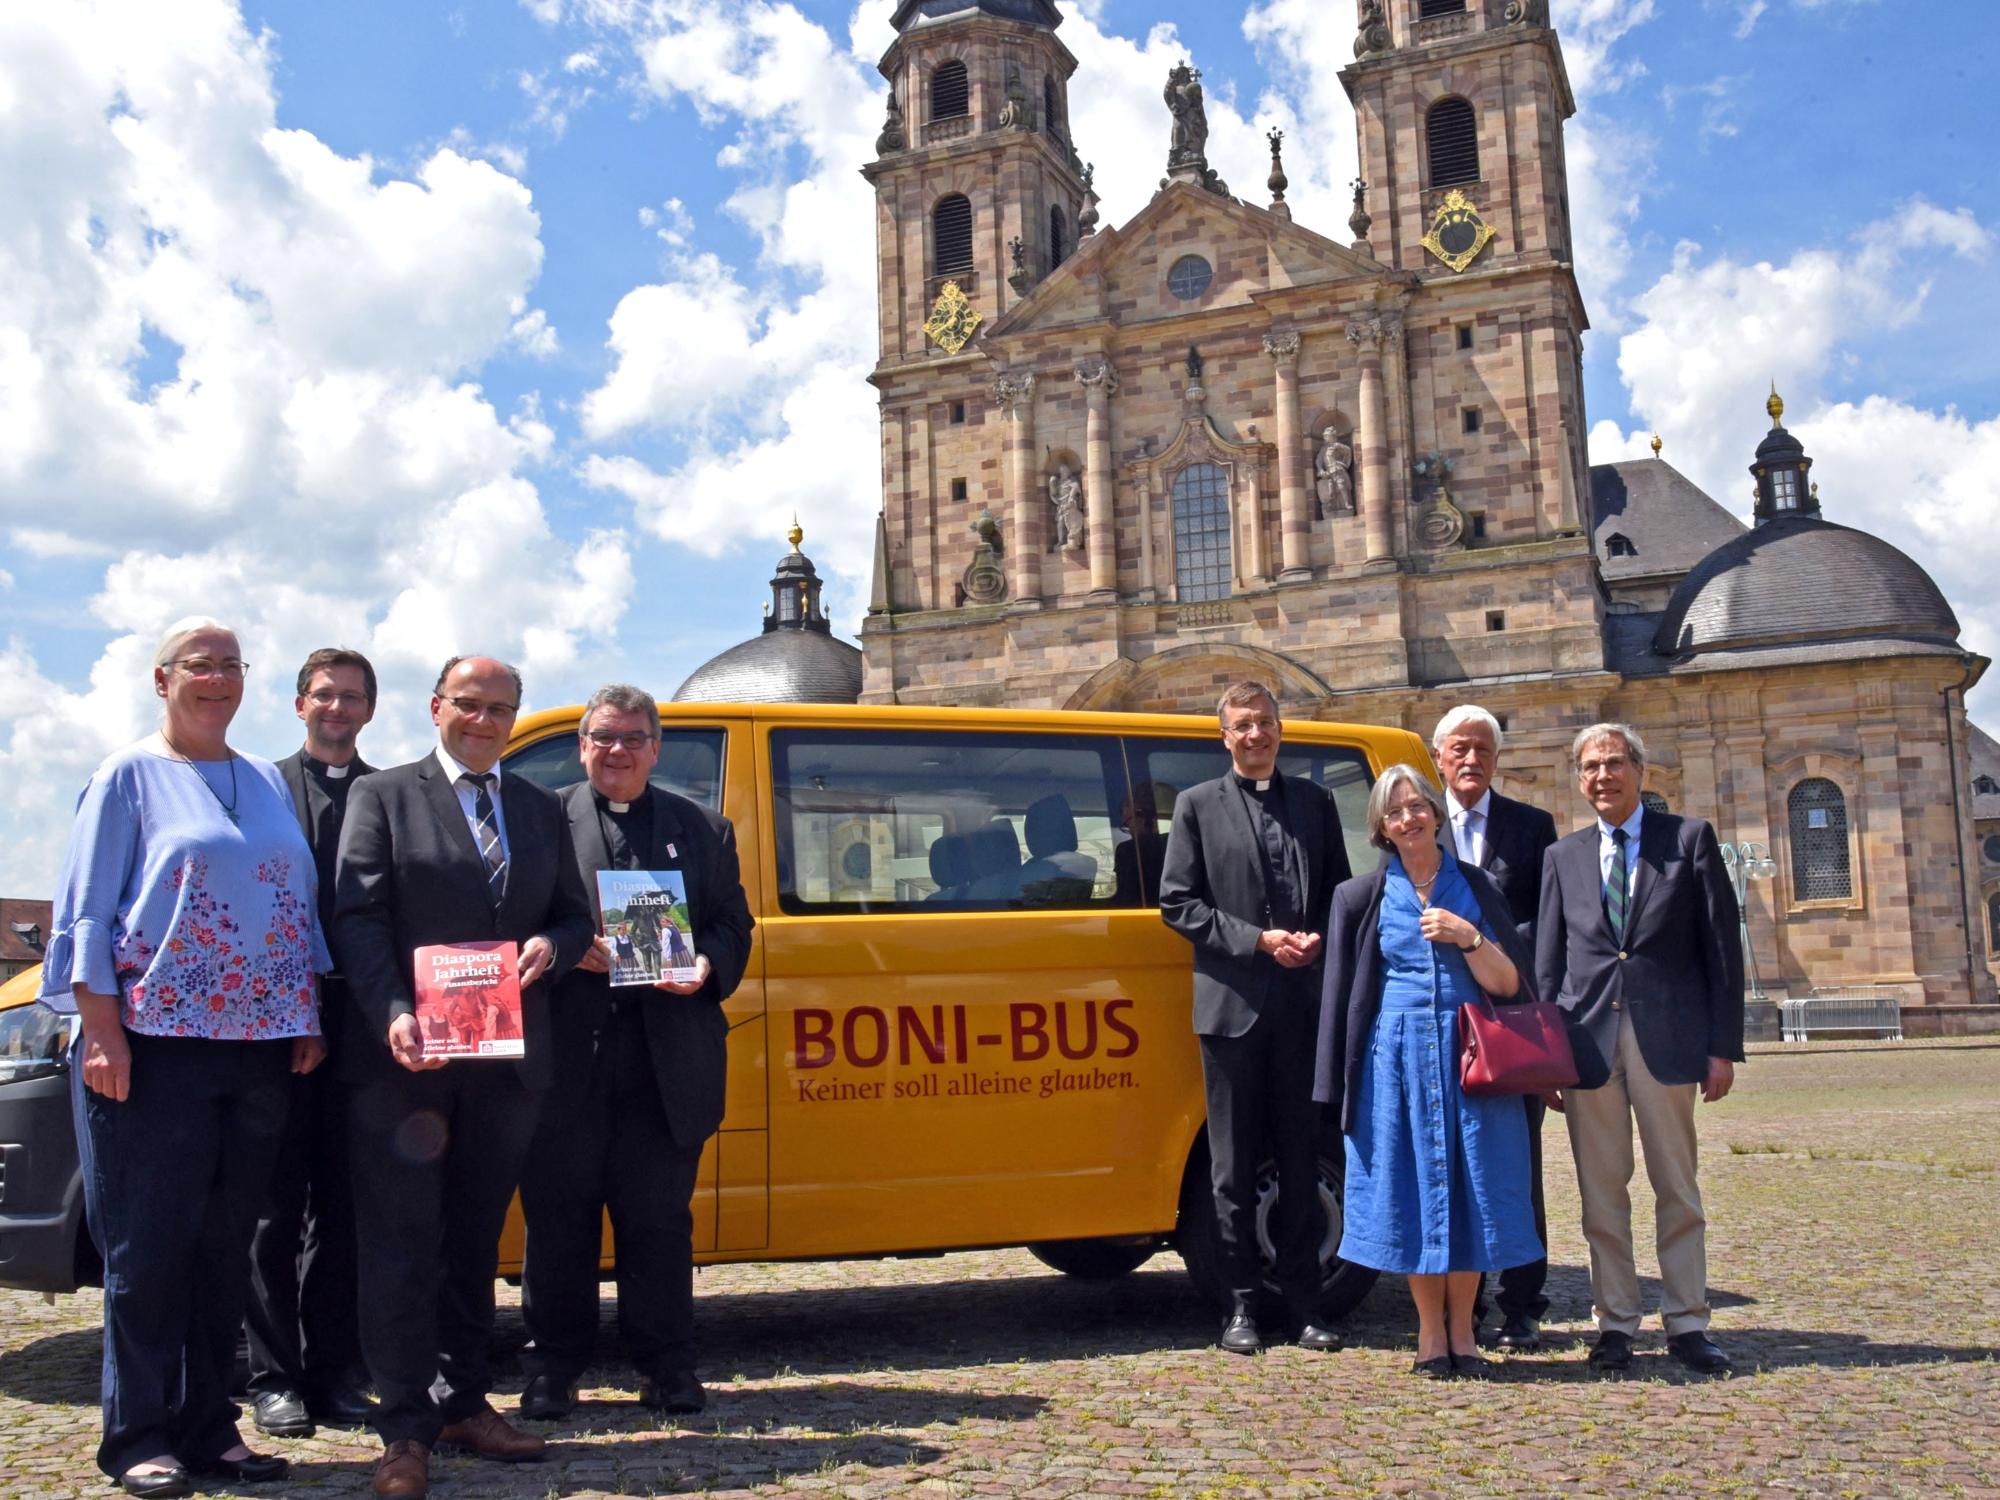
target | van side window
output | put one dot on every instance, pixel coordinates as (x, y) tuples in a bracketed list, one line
[(690, 763), (933, 820), (1164, 768)]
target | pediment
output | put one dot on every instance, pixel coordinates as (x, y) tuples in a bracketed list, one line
[(1120, 275)]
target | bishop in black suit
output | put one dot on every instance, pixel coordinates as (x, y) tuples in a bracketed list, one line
[(1251, 863), (1506, 839), (639, 1082), (446, 849)]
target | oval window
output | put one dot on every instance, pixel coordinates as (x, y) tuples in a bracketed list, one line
[(1189, 277)]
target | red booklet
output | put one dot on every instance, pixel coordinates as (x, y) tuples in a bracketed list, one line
[(469, 1000)]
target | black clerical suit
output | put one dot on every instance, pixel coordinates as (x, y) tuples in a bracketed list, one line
[(301, 1315), (639, 1087), (437, 1154), (1244, 857), (1514, 838)]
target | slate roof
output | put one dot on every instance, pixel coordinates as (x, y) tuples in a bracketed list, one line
[(780, 666), (1670, 522), (20, 921), (929, 12)]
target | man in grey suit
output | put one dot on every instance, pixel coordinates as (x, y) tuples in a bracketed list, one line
[(1636, 940), (640, 1081), (1251, 863)]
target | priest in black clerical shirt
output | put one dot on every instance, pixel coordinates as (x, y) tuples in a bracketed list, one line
[(301, 1316), (1250, 869), (639, 1083)]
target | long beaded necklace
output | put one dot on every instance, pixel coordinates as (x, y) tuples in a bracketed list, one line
[(229, 807)]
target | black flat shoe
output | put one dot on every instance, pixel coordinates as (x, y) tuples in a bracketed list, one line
[(1474, 1365), (1240, 1336), (348, 1406), (282, 1414), (252, 1468), (164, 1484), (678, 1394), (1433, 1369), (547, 1398)]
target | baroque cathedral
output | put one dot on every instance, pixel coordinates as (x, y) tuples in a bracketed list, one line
[(1125, 465)]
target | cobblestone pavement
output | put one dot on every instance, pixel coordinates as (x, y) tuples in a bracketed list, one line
[(1853, 1191)]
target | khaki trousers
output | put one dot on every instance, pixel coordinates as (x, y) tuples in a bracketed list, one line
[(1600, 1138)]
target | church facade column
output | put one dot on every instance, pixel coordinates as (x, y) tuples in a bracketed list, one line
[(1015, 395), (1372, 437), (1100, 383), (1294, 513)]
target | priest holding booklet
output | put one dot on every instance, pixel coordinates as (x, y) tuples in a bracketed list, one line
[(445, 850), (640, 1065)]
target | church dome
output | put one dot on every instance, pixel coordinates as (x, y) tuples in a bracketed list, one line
[(795, 660)]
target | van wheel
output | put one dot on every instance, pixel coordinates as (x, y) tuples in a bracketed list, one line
[(1095, 1260), (1342, 1285)]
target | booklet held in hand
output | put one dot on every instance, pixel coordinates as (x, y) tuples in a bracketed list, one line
[(646, 926), (469, 1000)]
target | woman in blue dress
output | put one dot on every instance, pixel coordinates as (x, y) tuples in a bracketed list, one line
[(1437, 1183)]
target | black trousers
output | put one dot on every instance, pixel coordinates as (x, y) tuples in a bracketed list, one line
[(603, 1143), (302, 1319), (436, 1157), (1521, 1287), (1260, 1106), (172, 1179)]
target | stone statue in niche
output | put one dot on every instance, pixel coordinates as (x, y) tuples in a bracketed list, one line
[(1014, 113), (1066, 495), (1334, 477)]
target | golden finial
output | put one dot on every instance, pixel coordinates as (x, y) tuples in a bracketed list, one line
[(1657, 445), (1775, 406), (796, 534)]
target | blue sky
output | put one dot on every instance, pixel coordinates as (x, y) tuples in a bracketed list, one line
[(525, 325)]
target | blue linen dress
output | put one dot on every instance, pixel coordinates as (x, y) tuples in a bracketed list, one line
[(1435, 1181)]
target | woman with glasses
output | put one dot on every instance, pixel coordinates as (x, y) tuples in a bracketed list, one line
[(1438, 1183), (187, 941)]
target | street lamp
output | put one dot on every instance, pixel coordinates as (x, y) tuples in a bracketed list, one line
[(1747, 861)]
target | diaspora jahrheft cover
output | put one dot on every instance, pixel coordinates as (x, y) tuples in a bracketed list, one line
[(646, 926), (469, 1000)]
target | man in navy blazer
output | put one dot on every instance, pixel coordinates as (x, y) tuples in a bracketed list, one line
[(1637, 941), (446, 849), (1506, 839), (1251, 864)]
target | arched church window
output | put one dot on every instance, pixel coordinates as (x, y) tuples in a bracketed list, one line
[(951, 235), (1201, 533), (1188, 277), (1051, 106), (951, 94), (1058, 251), (1451, 134), (1654, 802), (1820, 868)]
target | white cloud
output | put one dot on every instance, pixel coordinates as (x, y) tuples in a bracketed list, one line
[(6, 580), (534, 335)]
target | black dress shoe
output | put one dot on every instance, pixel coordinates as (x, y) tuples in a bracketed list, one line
[(1699, 1353), (1470, 1364), (252, 1468), (1433, 1369), (1519, 1332), (282, 1414), (547, 1398), (342, 1406), (1613, 1351), (1321, 1340), (162, 1484), (679, 1393), (1240, 1336)]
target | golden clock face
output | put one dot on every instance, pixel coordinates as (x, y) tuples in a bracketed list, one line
[(1457, 233), (953, 320)]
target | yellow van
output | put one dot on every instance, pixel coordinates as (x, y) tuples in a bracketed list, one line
[(963, 1023)]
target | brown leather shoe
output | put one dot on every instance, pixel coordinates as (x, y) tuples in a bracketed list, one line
[(405, 1470), (491, 1435)]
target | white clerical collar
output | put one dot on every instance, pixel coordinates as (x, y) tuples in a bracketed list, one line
[(335, 773), (455, 768), (618, 807)]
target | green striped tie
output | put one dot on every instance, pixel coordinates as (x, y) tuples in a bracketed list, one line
[(1614, 887)]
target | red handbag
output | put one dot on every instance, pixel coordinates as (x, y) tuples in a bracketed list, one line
[(1513, 1049)]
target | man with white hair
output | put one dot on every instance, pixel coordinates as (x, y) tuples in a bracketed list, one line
[(1636, 940), (1507, 840)]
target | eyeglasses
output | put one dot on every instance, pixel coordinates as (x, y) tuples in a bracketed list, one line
[(326, 698), (1611, 765), (472, 708), (1244, 726), (1401, 810), (634, 740), (232, 667)]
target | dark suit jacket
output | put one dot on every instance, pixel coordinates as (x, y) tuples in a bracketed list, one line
[(1517, 838), (409, 875), (1352, 996), (686, 1035), (1212, 894), (1679, 976), (293, 769)]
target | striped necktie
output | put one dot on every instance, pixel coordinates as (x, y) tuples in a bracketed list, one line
[(488, 834), (1614, 887)]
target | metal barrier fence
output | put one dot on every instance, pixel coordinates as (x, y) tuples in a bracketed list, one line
[(1877, 1011)]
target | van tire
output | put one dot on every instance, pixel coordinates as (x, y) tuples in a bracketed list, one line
[(1342, 1286), (1095, 1260)]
